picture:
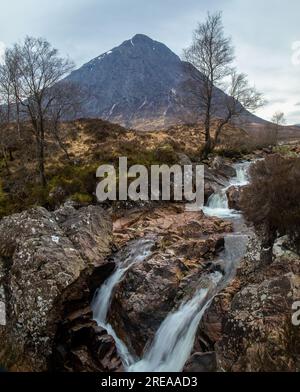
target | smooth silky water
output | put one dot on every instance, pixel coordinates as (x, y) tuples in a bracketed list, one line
[(174, 340)]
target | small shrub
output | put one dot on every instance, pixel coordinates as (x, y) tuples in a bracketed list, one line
[(82, 198)]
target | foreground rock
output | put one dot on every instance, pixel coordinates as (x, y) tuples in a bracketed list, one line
[(249, 324), (48, 259), (186, 246)]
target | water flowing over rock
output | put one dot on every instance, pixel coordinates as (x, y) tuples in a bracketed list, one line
[(186, 245), (48, 259)]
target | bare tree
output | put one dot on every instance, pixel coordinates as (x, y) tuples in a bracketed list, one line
[(240, 98), (9, 92), (279, 120), (6, 141), (36, 69), (67, 103), (212, 54), (6, 93)]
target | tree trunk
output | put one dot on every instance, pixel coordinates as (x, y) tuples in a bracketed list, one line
[(18, 121), (59, 141), (40, 154), (207, 146)]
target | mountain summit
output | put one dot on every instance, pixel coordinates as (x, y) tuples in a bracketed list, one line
[(140, 84)]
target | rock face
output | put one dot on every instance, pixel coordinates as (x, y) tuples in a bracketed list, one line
[(186, 245), (142, 84), (249, 324), (48, 259)]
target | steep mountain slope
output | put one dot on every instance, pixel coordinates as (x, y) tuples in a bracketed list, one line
[(142, 84)]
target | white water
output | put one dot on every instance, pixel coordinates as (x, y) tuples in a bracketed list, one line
[(136, 252), (217, 204), (174, 340)]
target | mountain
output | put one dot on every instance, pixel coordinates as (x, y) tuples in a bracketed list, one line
[(142, 84)]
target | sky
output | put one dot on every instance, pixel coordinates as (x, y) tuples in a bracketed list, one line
[(266, 34)]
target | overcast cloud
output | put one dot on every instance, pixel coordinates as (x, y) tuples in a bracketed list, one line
[(266, 34)]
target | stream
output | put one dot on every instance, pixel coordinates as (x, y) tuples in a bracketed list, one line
[(174, 340)]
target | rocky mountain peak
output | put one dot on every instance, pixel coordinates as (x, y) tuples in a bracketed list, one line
[(140, 84)]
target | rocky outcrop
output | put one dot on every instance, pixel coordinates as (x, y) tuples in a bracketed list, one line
[(186, 246), (48, 259), (249, 324)]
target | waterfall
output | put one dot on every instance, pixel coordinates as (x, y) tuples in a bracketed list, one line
[(242, 174), (136, 252), (173, 342), (174, 339), (217, 204)]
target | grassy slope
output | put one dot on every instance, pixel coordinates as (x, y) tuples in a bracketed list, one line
[(89, 144)]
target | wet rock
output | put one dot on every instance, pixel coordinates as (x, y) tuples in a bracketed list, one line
[(49, 261), (217, 176), (224, 169), (234, 195)]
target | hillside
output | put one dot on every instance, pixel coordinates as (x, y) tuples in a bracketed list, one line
[(90, 143)]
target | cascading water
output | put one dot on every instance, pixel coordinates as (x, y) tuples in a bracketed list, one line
[(136, 252), (217, 204), (174, 339), (173, 342)]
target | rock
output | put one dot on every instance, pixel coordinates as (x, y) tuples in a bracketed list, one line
[(283, 249), (201, 363), (183, 159), (217, 176), (234, 195), (49, 260), (249, 323), (224, 169), (82, 346), (255, 330)]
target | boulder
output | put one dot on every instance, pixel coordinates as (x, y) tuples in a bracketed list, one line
[(49, 258), (234, 194)]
